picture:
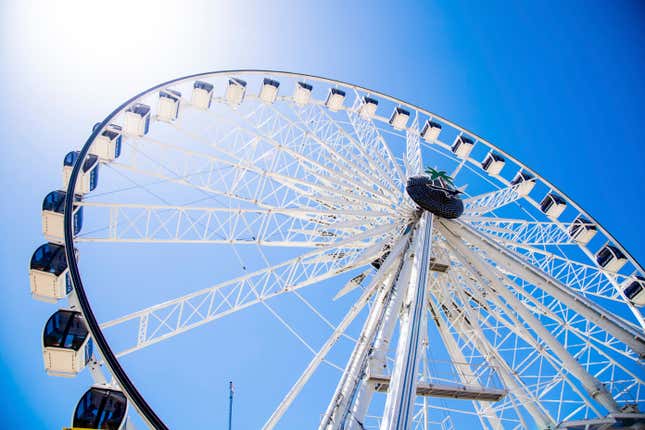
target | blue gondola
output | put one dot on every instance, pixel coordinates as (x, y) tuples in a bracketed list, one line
[(88, 176), (107, 145), (53, 216), (67, 345), (168, 107), (48, 273), (202, 95), (137, 120), (101, 408)]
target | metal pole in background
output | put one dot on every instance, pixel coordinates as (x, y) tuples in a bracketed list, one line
[(230, 404)]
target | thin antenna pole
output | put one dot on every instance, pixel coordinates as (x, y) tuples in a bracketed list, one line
[(230, 404)]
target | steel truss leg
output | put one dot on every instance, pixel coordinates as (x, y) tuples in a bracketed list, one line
[(399, 405), (354, 375), (593, 386)]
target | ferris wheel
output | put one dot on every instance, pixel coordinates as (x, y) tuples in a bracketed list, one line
[(479, 293)]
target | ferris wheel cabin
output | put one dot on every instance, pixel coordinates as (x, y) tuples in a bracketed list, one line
[(302, 93), (582, 230), (611, 258), (523, 183), (335, 99), (368, 107), (101, 408), (107, 145), (88, 176), (634, 290), (168, 106), (137, 120), (48, 273), (202, 95), (53, 216), (269, 90), (67, 345), (493, 163), (399, 118), (553, 205), (235, 91), (462, 146), (430, 131)]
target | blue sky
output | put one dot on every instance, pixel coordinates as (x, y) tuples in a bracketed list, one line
[(557, 84)]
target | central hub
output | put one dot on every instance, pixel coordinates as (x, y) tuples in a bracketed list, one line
[(436, 194)]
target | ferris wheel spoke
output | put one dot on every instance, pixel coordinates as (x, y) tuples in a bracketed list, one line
[(413, 157), (488, 202), (522, 232), (189, 224), (282, 142), (591, 311), (370, 135), (243, 177), (308, 145), (325, 131), (330, 130), (192, 310)]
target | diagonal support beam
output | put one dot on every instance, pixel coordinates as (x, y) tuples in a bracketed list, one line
[(586, 308), (484, 203)]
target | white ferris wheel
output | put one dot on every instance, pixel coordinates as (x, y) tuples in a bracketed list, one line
[(477, 291)]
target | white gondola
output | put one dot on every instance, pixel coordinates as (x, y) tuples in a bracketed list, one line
[(462, 146), (235, 91), (302, 93), (168, 107), (399, 118), (101, 407), (611, 258), (582, 230), (430, 131), (335, 99), (107, 145), (202, 95), (53, 216), (67, 345), (88, 176), (553, 205), (523, 182), (368, 107), (137, 120), (269, 90), (49, 279), (493, 163), (634, 290)]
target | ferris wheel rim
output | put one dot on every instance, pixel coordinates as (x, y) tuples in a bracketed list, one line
[(103, 346)]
